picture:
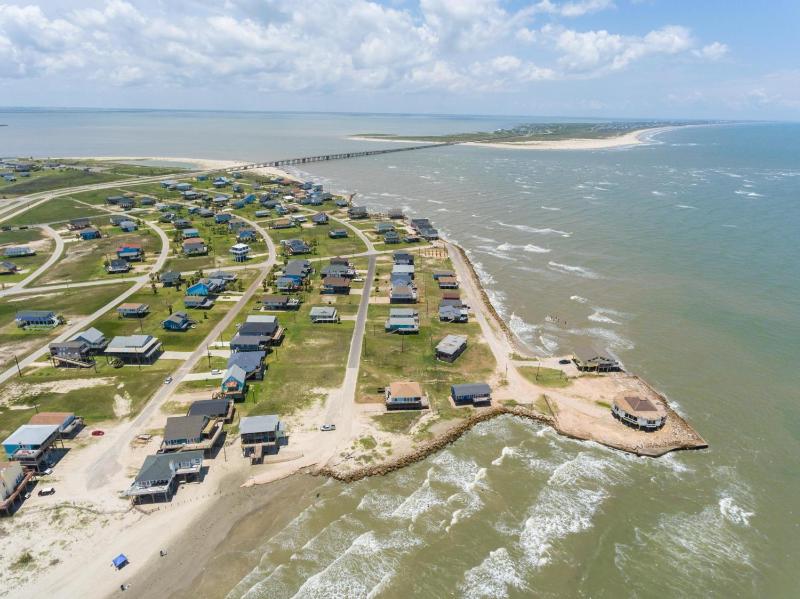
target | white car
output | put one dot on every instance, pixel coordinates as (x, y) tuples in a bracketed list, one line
[(216, 371), (328, 427), (168, 380)]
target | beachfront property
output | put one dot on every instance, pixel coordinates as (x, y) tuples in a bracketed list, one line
[(221, 409), (401, 325), (37, 319), (261, 435), (337, 233), (252, 362), (453, 311), (117, 266), (320, 218), (448, 283), (71, 354), (134, 349), (240, 252), (160, 474), (640, 413), (336, 285), (402, 293), (31, 445), (179, 321), (396, 213), (323, 314), (405, 395), (14, 481), (171, 278), (449, 348), (198, 302), (67, 422), (403, 270), (280, 302), (19, 251), (234, 383), (96, 341), (438, 274), (588, 359), (263, 326), (8, 268), (357, 212), (189, 433), (194, 246), (133, 310), (90, 233), (475, 394)]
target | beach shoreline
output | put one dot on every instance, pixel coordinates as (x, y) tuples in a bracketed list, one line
[(632, 138)]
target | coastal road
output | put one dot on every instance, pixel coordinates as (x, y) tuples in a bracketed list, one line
[(119, 440), (54, 257), (84, 322)]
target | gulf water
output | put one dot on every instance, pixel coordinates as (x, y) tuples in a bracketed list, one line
[(679, 255)]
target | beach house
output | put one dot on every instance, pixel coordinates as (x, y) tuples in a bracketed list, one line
[(78, 223), (190, 233), (13, 484), (160, 474), (71, 354), (131, 253), (323, 314), (68, 423), (449, 348), (402, 293), (117, 265), (234, 383), (405, 395), (448, 283), (31, 444), (640, 413), (402, 325), (19, 251), (195, 432), (179, 321), (37, 319), (252, 362), (171, 278), (133, 310), (280, 302), (134, 349), (382, 228), (198, 302), (295, 246), (588, 359), (336, 285), (90, 233), (261, 435), (246, 235), (195, 246), (476, 394), (453, 311), (8, 268), (357, 212), (93, 338), (222, 218), (240, 252), (337, 233), (320, 218)]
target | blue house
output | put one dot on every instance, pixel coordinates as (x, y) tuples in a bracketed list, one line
[(190, 233), (252, 362), (246, 235), (234, 383), (179, 321), (131, 253), (183, 186), (223, 218), (238, 204), (37, 318), (200, 288), (287, 284), (87, 234), (249, 198), (202, 177)]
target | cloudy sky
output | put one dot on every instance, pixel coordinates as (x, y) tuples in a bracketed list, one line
[(616, 58)]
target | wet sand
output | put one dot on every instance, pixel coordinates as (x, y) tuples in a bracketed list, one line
[(216, 550)]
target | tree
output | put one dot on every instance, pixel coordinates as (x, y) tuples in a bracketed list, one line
[(154, 287)]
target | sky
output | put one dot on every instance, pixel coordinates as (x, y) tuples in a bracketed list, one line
[(676, 59)]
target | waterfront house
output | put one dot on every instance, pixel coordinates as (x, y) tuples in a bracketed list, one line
[(475, 394), (181, 431), (240, 252), (31, 444), (13, 484), (8, 268), (588, 359), (171, 278), (442, 273), (341, 203), (131, 253), (260, 435), (402, 325), (234, 383), (169, 183), (322, 314), (160, 474), (128, 226), (280, 302), (67, 422), (197, 302), (357, 212), (71, 354), (338, 285), (337, 233), (221, 409), (448, 283), (420, 223), (405, 395), (37, 318), (396, 213), (134, 349), (320, 218), (19, 251), (117, 265), (410, 239), (450, 294), (449, 348), (429, 234), (252, 362), (403, 258), (402, 294), (78, 223), (639, 412), (93, 338), (90, 233), (453, 312), (179, 321), (194, 247), (133, 310)]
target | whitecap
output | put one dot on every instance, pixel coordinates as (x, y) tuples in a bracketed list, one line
[(492, 577), (600, 317), (553, 208), (734, 513), (658, 193), (528, 229), (686, 207), (536, 249), (578, 298), (576, 270)]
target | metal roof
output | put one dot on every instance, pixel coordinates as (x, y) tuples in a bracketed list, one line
[(31, 434), (91, 336), (451, 344), (249, 361), (464, 389), (209, 407), (184, 427), (130, 342), (259, 424), (162, 465)]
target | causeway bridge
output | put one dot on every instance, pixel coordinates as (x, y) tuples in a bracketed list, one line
[(339, 156)]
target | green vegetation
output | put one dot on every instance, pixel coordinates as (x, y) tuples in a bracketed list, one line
[(545, 377), (55, 210), (321, 244), (396, 422), (367, 443), (24, 560), (26, 264), (47, 180)]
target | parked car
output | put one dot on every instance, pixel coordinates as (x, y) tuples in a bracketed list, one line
[(216, 371), (46, 491), (98, 433), (328, 427), (168, 380)]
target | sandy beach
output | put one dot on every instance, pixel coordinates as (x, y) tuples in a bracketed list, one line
[(631, 138)]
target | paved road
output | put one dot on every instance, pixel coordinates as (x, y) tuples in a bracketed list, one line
[(54, 257), (108, 463)]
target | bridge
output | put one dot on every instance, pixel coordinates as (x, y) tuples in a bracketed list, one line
[(339, 156)]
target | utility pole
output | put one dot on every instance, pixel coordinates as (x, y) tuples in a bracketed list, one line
[(19, 372)]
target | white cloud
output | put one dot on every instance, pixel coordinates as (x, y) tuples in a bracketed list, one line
[(713, 51), (574, 9)]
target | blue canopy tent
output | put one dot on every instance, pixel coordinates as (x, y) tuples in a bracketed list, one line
[(120, 561)]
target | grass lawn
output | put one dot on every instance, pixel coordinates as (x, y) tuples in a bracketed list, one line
[(70, 304), (94, 403), (322, 245), (219, 241), (545, 377), (84, 260), (397, 422), (55, 210), (42, 243), (46, 180)]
